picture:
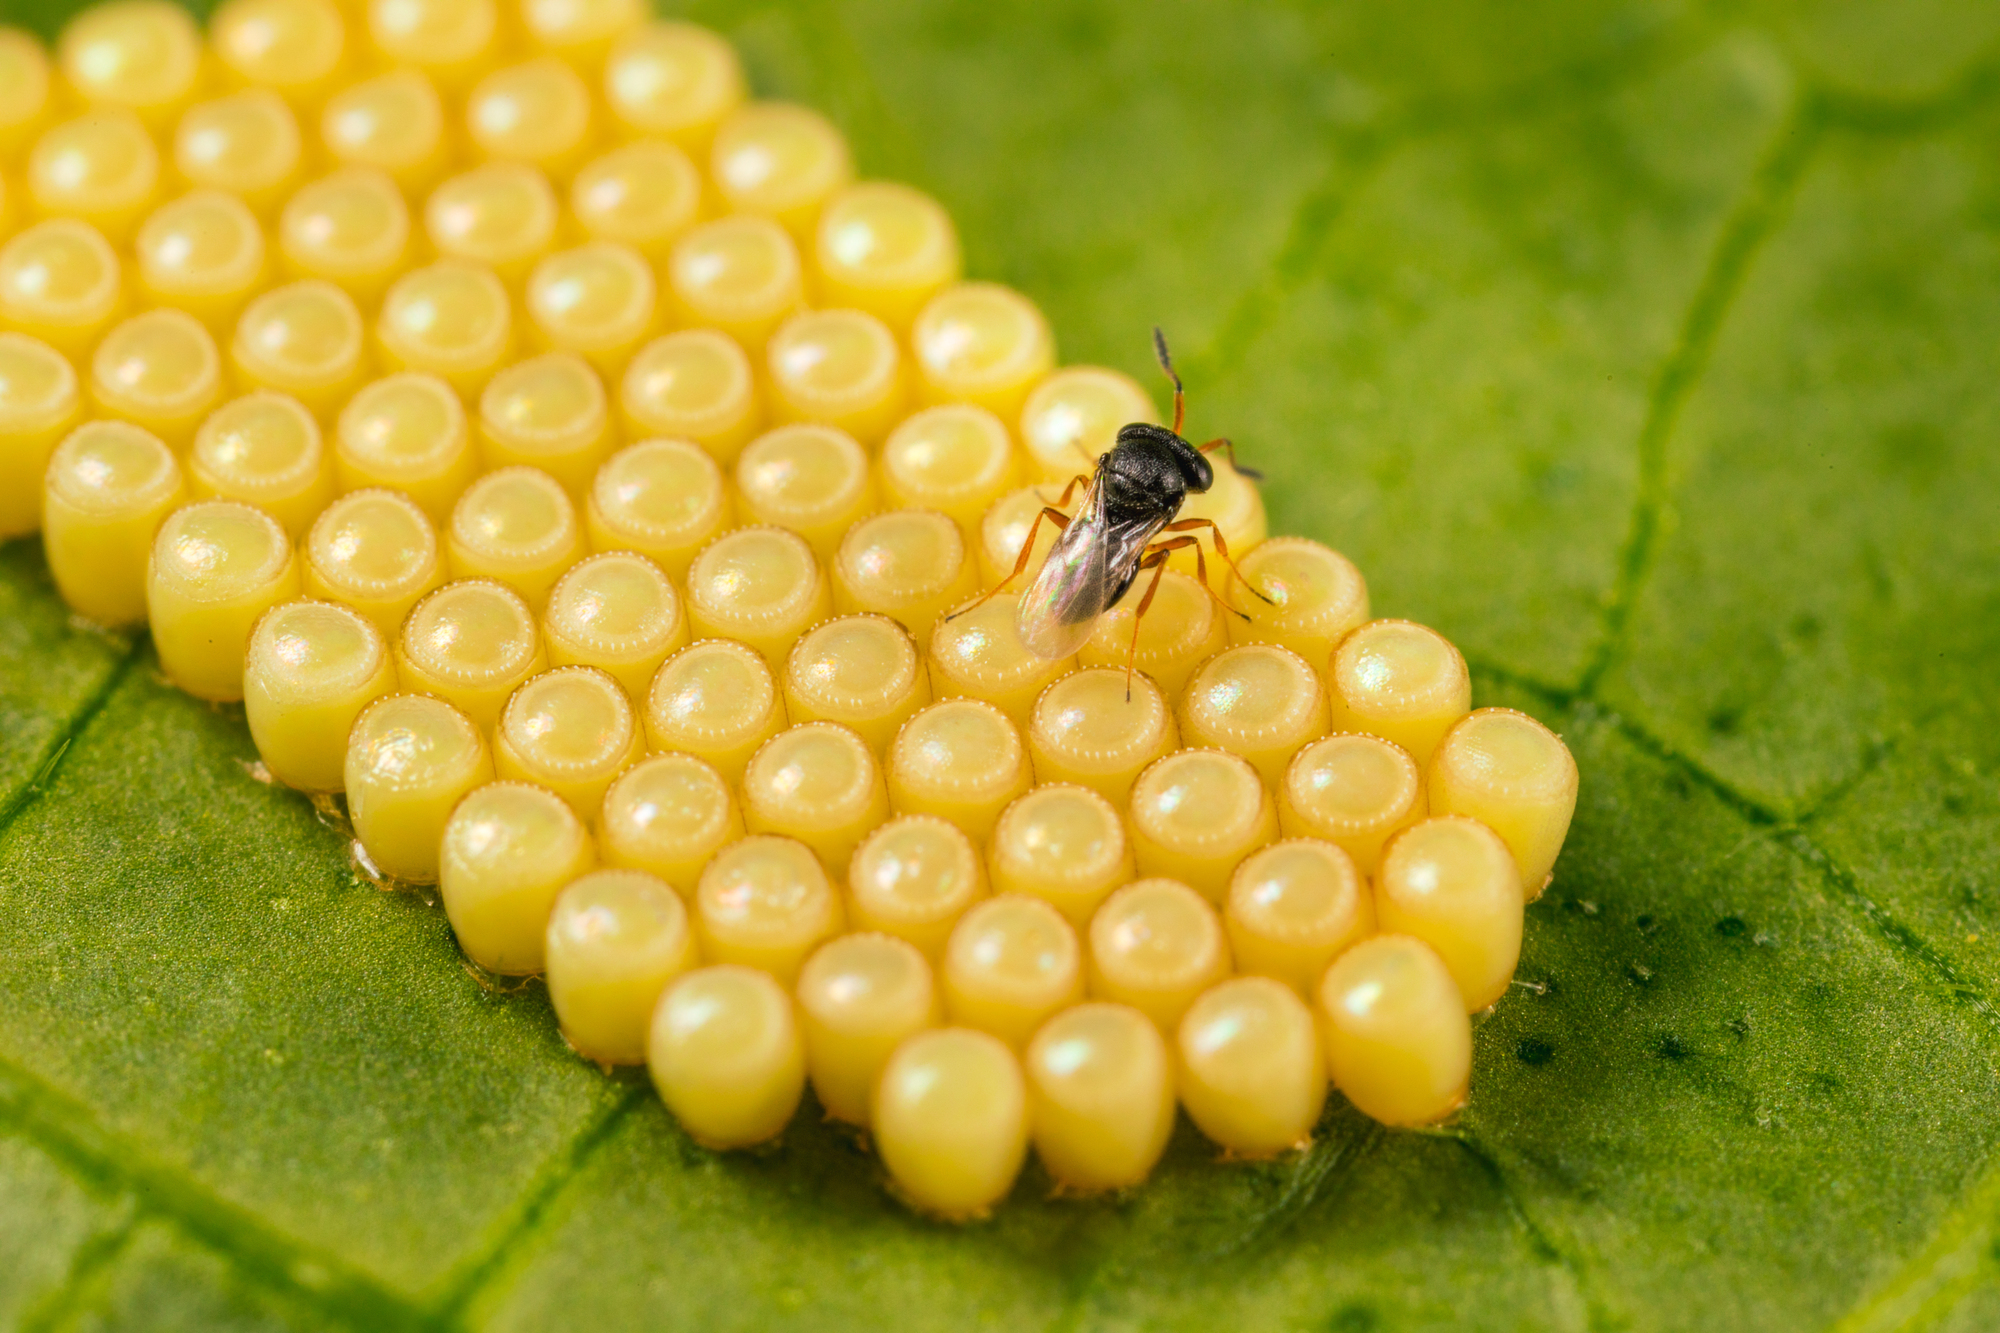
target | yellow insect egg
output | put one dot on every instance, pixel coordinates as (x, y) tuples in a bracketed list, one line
[(1012, 963), (739, 274), (1180, 630), (1400, 681), (1398, 1043), (1101, 1096), (141, 55), (547, 412), (977, 652), (508, 850), (819, 783), (1354, 790), (100, 168), (617, 612), (246, 144), (718, 700), (293, 47), (811, 479), (596, 300), (571, 730), (1317, 596), (1451, 882), (910, 564), (264, 449), (450, 319), (860, 996), (664, 499), (1514, 775), (761, 586), (765, 902), (668, 815), (951, 1121), (159, 370), (374, 550), (961, 760), (202, 253), (1196, 815), (393, 123), (502, 215), (886, 249), (644, 194), (452, 41), (1258, 700), (1071, 419), (1293, 908), (1064, 844), (1098, 728), (59, 281), (913, 878), (581, 31), (979, 342), (349, 227), (1252, 1069), (470, 643), (1156, 945), (693, 385), (616, 940), (1004, 530), (410, 760), (781, 161), (841, 367), (518, 526), (24, 92), (39, 405), (955, 459), (536, 113), (108, 487), (673, 81), (406, 432), (217, 567), (1234, 505), (726, 1056), (305, 339), (861, 671), (310, 670)]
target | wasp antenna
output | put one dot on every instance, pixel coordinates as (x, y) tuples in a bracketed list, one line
[(1166, 360)]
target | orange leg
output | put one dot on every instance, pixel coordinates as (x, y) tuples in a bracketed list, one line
[(1155, 560), (1168, 547), (1221, 549), (1049, 512), (1223, 443)]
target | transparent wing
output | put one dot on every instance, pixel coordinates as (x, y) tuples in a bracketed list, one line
[(1085, 569)]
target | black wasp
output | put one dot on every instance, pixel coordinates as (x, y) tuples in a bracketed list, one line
[(1138, 489)]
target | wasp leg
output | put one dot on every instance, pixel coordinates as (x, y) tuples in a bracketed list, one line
[(1050, 512), (1221, 549), (1228, 446), (1155, 560), (1173, 544)]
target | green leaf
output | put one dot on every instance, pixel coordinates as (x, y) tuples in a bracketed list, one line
[(1650, 351)]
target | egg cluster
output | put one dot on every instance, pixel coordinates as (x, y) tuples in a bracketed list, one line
[(573, 468)]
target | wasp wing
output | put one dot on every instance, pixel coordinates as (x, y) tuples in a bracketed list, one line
[(1086, 570)]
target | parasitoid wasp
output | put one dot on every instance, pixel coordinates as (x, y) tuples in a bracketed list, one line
[(1138, 488)]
